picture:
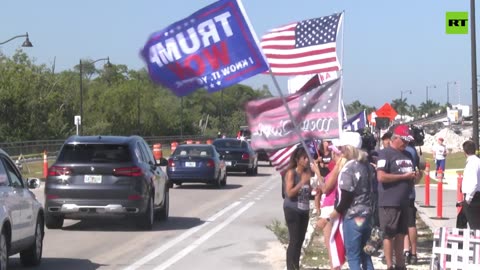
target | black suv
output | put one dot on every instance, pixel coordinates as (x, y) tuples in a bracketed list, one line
[(106, 176)]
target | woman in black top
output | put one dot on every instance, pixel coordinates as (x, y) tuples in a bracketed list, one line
[(296, 205)]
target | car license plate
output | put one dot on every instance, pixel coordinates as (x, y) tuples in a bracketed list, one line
[(228, 163), (93, 179), (190, 164)]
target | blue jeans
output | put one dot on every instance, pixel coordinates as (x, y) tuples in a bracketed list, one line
[(440, 164), (356, 232)]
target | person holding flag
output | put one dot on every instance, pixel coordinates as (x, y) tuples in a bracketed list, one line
[(296, 205)]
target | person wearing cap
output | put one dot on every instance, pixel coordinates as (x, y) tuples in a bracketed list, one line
[(396, 175), (439, 152), (354, 200)]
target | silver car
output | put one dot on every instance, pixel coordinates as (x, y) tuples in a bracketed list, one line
[(21, 216)]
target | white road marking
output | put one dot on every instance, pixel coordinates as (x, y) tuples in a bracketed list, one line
[(202, 239), (157, 252)]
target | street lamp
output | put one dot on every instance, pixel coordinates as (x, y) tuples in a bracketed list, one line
[(448, 91), (108, 64), (429, 86), (26, 43), (401, 100)]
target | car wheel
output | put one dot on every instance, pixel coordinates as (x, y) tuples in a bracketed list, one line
[(224, 180), (146, 219), (33, 255), (255, 171), (53, 222), (162, 214), (3, 250)]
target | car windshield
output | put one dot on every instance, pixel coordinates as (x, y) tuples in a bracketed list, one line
[(193, 151), (230, 144), (94, 153)]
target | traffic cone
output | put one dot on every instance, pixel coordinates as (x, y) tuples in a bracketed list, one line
[(45, 164)]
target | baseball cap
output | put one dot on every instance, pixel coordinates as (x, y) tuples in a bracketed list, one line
[(350, 138), (403, 131)]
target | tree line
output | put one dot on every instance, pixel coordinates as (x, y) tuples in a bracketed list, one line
[(38, 104)]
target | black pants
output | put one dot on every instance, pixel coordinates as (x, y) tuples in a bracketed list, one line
[(472, 211), (297, 223)]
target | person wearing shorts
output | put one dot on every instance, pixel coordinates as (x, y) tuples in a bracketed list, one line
[(396, 175)]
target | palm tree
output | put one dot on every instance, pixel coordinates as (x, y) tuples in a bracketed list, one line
[(400, 105), (429, 107)]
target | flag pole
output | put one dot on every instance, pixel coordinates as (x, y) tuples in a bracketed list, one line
[(341, 106), (295, 127)]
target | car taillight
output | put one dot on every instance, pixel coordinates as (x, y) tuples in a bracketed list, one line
[(57, 171), (134, 197), (128, 171), (210, 163), (171, 163), (245, 156), (52, 197)]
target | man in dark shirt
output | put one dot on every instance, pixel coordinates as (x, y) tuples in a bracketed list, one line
[(396, 174)]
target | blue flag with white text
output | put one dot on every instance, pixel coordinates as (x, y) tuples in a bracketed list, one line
[(212, 49), (356, 122)]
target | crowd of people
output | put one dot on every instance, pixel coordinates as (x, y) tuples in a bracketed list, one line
[(363, 193)]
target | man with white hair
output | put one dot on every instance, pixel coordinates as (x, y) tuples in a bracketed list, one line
[(396, 175), (355, 200)]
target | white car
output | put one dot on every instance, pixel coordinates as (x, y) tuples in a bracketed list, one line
[(21, 216)]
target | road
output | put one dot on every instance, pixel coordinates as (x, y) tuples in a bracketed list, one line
[(207, 228)]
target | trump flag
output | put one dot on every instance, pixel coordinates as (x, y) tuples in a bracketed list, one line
[(356, 122), (315, 112), (212, 49)]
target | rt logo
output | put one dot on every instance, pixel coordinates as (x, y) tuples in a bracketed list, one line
[(457, 22)]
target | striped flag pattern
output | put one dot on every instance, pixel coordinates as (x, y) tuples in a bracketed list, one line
[(281, 157), (305, 47)]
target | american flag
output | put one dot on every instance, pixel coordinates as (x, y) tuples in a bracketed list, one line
[(280, 158), (305, 47)]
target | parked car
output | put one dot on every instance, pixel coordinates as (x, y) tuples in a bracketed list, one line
[(106, 176), (21, 216), (197, 163), (238, 155)]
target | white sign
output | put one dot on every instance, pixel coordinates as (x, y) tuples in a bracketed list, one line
[(77, 120)]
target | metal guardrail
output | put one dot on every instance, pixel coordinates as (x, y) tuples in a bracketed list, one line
[(36, 148)]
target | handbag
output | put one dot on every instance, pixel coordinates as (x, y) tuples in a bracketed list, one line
[(374, 243)]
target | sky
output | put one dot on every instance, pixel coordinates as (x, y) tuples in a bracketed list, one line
[(389, 47)]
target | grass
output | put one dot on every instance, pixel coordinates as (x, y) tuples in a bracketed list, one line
[(34, 169), (315, 256), (453, 161)]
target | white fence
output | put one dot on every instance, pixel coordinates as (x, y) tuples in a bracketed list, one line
[(456, 249)]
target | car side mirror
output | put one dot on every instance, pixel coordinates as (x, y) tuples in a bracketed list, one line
[(33, 183)]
